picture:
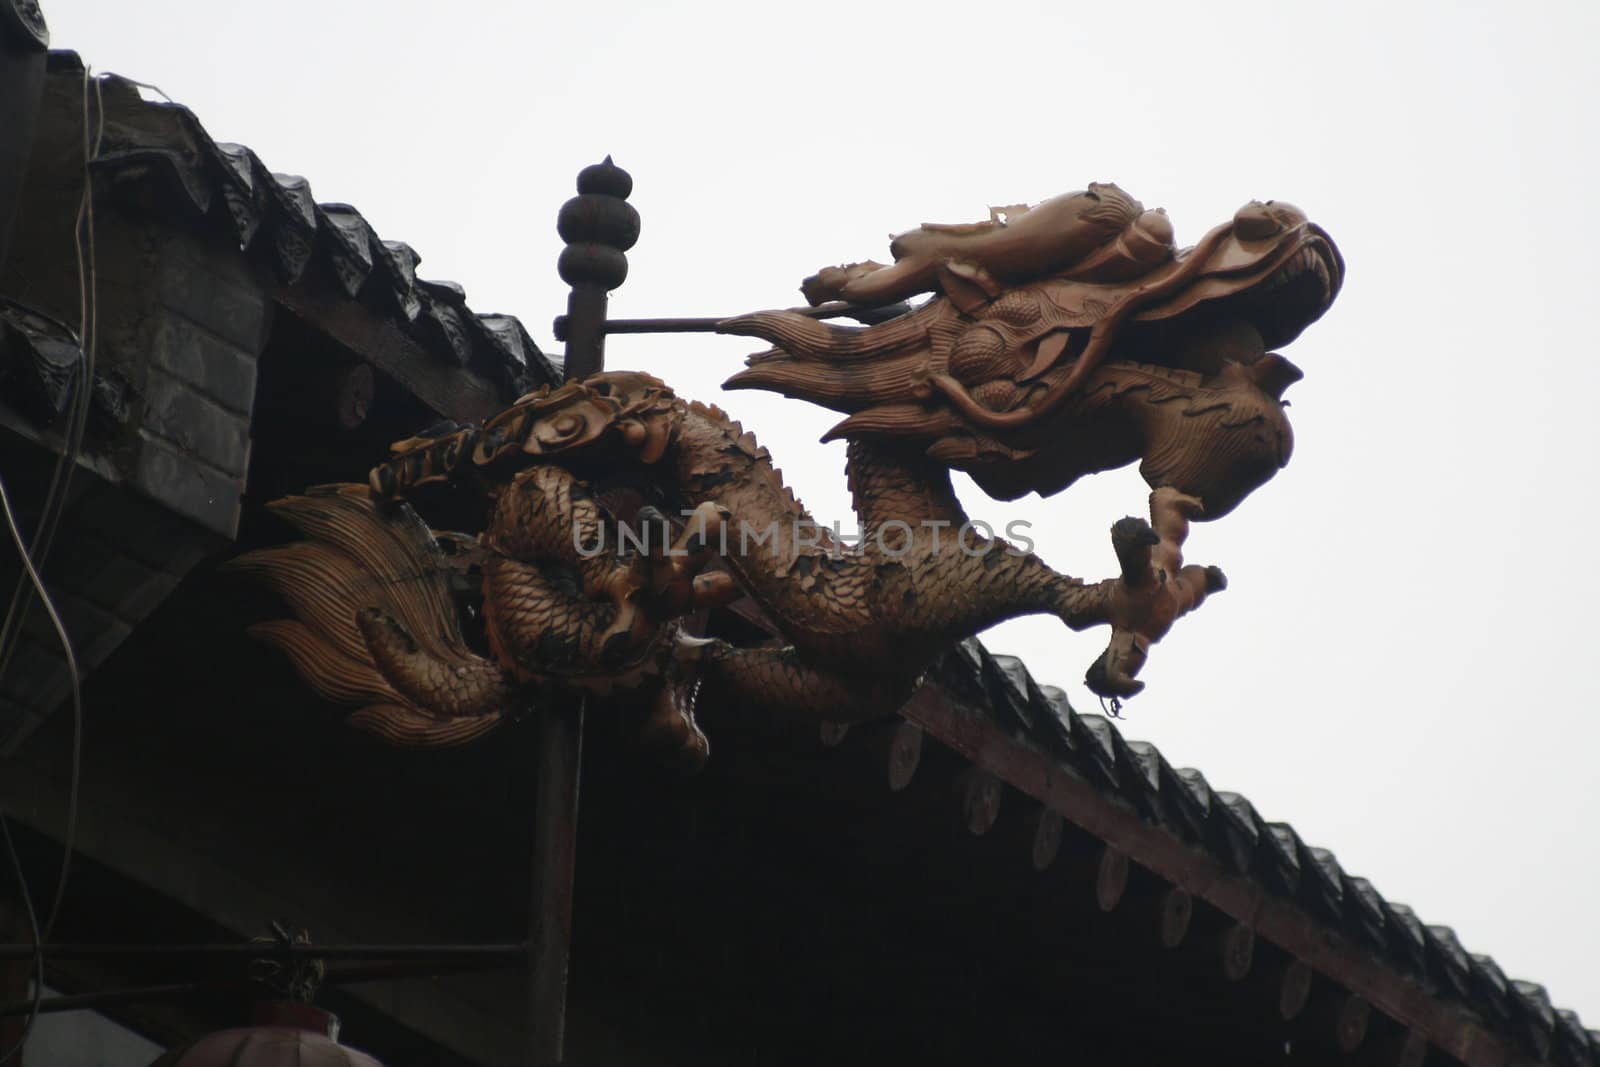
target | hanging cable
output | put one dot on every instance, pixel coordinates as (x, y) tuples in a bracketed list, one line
[(77, 702), (39, 937), (146, 85), (36, 941), (78, 417), (66, 463), (32, 583)]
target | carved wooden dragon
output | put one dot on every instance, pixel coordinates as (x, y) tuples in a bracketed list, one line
[(1064, 340)]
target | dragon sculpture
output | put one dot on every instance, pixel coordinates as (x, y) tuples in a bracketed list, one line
[(1061, 340)]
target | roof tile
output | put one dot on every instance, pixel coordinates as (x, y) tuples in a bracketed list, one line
[(1449, 959), (273, 217), (1531, 1004)]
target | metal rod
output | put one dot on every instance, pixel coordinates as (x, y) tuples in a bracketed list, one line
[(836, 309), (654, 325), (336, 976), (583, 328), (555, 849), (394, 971), (599, 227), (273, 950), (82, 1001)]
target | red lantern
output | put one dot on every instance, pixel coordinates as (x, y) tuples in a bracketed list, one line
[(285, 1034)]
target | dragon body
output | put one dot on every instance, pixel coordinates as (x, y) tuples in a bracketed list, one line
[(1082, 343)]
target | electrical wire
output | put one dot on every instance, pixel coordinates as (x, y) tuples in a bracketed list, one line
[(37, 943), (71, 657), (146, 85), (72, 796), (33, 562), (77, 422)]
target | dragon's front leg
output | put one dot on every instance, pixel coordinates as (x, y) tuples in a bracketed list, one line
[(1153, 591), (921, 601)]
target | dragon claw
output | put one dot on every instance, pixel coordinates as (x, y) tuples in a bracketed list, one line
[(1112, 674), (1133, 531), (674, 567), (671, 727), (1153, 591), (1216, 581), (687, 648)]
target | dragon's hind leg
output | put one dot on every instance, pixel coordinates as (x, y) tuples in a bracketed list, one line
[(778, 677), (564, 601)]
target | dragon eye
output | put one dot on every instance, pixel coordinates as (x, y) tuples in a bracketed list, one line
[(1256, 221)]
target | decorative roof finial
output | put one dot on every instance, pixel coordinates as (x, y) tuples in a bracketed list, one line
[(599, 225)]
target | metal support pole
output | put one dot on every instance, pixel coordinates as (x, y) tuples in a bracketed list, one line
[(555, 846), (599, 226), (345, 975), (257, 950), (836, 309)]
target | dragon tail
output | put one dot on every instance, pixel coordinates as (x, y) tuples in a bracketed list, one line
[(376, 626)]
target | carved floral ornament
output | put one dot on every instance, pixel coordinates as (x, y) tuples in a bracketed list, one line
[(1061, 340)]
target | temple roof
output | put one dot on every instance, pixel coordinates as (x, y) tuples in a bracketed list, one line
[(1185, 821), (987, 707)]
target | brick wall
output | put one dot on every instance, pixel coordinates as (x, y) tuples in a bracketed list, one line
[(182, 322), (203, 332)]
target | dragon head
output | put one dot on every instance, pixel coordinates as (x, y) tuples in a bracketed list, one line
[(1248, 287), (1037, 383)]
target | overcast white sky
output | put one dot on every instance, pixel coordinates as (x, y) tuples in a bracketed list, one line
[(1402, 664)]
